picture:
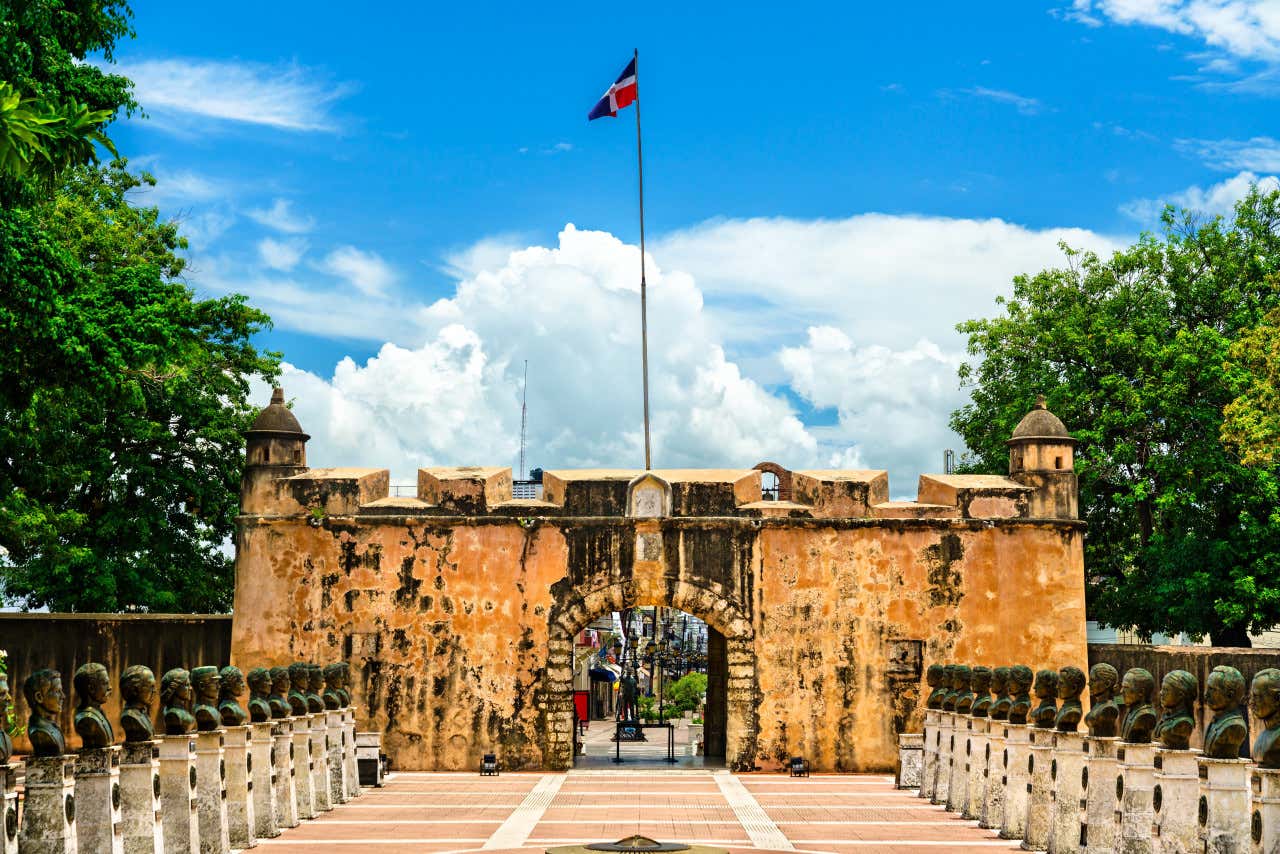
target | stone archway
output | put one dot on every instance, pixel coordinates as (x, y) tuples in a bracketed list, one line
[(567, 619)]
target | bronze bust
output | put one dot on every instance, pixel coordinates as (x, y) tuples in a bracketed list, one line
[(1140, 717), (1264, 698), (933, 678), (231, 686), (981, 691), (43, 690), (1046, 691), (949, 682), (299, 681), (93, 687), (1020, 677), (279, 699), (332, 685), (1104, 712), (137, 693), (1226, 733), (6, 742), (1178, 692), (175, 702), (315, 685), (1071, 684), (1000, 685), (345, 691), (964, 695), (207, 685), (259, 679)]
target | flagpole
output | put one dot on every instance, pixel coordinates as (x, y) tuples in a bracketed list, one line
[(644, 315)]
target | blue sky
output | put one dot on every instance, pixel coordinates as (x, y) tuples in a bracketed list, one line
[(829, 189)]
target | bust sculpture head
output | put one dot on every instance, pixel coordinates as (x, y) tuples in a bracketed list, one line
[(1020, 678), (299, 681), (1046, 691), (93, 686), (981, 683), (137, 693), (230, 688), (208, 685), (176, 698), (962, 681), (1264, 700), (949, 683), (43, 691), (1140, 718), (1104, 712), (933, 678), (259, 679), (315, 685), (345, 690), (332, 686), (1227, 731), (279, 698), (1071, 684), (1000, 685), (1178, 692)]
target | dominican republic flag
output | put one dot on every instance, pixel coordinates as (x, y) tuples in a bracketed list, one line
[(621, 94)]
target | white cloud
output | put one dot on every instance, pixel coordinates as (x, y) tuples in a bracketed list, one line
[(280, 217), (366, 270), (1216, 200), (287, 97), (281, 255), (1026, 106), (1260, 154)]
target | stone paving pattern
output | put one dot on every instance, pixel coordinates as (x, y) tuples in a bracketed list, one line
[(437, 813)]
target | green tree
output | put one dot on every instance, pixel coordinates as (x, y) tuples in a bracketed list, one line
[(123, 408), (1252, 421), (685, 694), (39, 142), (1132, 352)]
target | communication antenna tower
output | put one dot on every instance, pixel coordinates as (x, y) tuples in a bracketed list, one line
[(524, 413)]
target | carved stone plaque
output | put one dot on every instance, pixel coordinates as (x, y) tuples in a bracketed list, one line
[(647, 501), (649, 546)]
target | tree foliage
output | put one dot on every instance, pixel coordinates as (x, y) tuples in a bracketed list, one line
[(1252, 423), (685, 694), (40, 142), (1132, 352)]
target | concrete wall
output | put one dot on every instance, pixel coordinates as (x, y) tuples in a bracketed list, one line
[(1197, 660), (66, 641)]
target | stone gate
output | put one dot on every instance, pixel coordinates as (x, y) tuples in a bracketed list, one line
[(458, 606)]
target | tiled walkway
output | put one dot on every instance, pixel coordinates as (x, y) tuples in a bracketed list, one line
[(439, 813)]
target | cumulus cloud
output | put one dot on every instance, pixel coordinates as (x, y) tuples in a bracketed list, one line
[(1246, 28), (286, 97), (281, 255), (366, 270), (280, 217), (1216, 200)]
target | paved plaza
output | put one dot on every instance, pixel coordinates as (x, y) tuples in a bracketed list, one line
[(456, 812)]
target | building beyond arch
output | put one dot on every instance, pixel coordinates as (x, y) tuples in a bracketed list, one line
[(458, 606)]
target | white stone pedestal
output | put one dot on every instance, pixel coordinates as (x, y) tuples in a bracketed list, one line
[(929, 760), (302, 777), (337, 761), (178, 800), (141, 821), (1101, 771), (211, 771), (993, 786), (1040, 796), (910, 760), (49, 810), (9, 782), (1137, 785), (263, 777), (1265, 820), (98, 824), (1017, 781), (241, 831), (349, 746), (958, 790), (976, 759), (1224, 805), (1175, 801), (320, 761), (946, 728), (282, 761), (369, 757), (1068, 792)]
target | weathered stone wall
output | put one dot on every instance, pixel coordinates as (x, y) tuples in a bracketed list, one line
[(66, 641), (1197, 660)]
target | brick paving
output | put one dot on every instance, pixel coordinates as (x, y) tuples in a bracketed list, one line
[(527, 813)]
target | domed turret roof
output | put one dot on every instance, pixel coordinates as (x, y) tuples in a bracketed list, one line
[(1041, 424), (277, 418)]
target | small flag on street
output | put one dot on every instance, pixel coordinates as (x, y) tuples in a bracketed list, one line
[(621, 94)]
